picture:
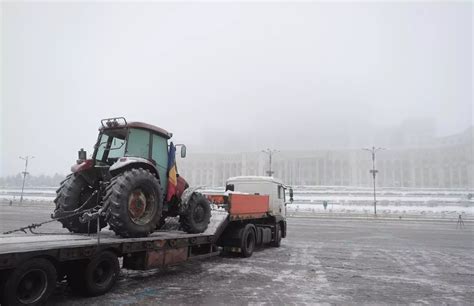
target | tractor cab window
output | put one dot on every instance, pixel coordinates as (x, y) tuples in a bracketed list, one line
[(117, 148), (159, 154), (159, 151), (111, 146), (138, 143), (100, 147)]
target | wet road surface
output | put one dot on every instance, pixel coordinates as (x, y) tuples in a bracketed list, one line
[(322, 260)]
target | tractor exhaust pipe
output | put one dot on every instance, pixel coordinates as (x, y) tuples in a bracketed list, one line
[(82, 156)]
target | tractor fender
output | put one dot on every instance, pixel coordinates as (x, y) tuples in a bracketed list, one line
[(125, 163), (186, 196)]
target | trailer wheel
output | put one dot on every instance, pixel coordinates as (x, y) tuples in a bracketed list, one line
[(277, 241), (97, 276), (31, 283), (247, 242)]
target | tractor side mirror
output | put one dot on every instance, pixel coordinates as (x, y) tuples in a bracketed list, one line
[(183, 151), (291, 195), (82, 155)]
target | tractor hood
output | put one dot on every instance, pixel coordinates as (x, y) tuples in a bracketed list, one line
[(82, 165)]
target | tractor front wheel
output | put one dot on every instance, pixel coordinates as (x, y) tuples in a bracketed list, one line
[(197, 215), (134, 201)]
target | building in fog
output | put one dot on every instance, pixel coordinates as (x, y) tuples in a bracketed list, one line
[(415, 161)]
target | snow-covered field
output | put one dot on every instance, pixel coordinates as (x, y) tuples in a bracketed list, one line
[(340, 200)]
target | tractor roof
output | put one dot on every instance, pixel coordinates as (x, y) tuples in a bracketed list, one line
[(141, 125), (150, 127)]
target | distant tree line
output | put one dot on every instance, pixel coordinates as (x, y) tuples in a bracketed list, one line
[(15, 181)]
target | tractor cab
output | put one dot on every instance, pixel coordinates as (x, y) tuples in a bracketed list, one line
[(117, 138), (120, 143)]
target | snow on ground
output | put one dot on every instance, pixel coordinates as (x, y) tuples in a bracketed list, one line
[(322, 261), (367, 209)]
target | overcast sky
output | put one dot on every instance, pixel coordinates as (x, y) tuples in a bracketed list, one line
[(227, 77)]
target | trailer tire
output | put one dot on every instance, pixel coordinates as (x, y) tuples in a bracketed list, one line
[(95, 277), (30, 284), (197, 215), (278, 233), (72, 193), (247, 240), (135, 202)]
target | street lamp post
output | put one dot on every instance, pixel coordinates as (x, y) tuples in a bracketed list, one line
[(270, 154), (25, 173), (374, 172)]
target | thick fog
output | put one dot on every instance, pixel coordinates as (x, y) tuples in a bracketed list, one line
[(229, 77)]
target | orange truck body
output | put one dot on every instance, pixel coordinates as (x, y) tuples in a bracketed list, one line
[(243, 206)]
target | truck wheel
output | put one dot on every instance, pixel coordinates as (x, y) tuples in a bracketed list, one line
[(134, 202), (197, 215), (277, 242), (72, 193), (97, 276), (247, 242), (31, 283)]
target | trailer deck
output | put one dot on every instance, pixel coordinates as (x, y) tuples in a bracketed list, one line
[(69, 246), (31, 242)]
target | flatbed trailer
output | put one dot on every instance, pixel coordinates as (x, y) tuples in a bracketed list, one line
[(31, 265)]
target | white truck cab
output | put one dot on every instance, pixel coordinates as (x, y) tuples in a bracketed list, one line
[(263, 185)]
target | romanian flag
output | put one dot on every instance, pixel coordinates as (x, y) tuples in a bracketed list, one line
[(172, 179)]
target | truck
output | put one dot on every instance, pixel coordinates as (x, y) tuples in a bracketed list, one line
[(249, 213)]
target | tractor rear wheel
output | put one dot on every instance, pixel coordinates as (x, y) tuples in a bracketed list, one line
[(72, 194), (134, 199), (197, 214)]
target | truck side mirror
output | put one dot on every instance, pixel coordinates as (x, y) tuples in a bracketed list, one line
[(291, 195), (183, 151), (229, 187)]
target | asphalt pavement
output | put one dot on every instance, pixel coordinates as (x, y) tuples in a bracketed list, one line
[(336, 261)]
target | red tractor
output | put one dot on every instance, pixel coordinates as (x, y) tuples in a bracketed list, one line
[(130, 183)]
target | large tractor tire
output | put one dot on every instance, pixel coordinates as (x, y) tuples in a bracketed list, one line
[(72, 194), (197, 214), (134, 199)]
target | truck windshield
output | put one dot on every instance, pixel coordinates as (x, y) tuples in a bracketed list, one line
[(111, 145)]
